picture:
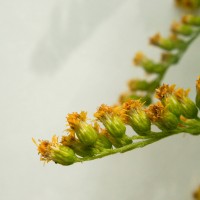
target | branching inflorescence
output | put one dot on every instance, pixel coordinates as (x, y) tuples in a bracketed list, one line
[(106, 134), (174, 46), (191, 4), (174, 113)]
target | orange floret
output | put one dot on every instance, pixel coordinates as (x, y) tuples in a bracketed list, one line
[(155, 111), (74, 119), (164, 91), (155, 39), (139, 57)]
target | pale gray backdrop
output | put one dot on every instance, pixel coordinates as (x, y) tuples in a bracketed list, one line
[(60, 56)]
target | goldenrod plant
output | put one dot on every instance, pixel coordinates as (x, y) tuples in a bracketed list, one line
[(191, 4), (106, 134), (182, 35)]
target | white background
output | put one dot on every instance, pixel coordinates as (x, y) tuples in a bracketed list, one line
[(60, 56)]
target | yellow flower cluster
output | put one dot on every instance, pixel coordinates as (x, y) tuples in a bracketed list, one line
[(174, 46), (108, 130), (192, 4)]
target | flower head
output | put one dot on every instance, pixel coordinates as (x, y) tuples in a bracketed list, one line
[(136, 117), (162, 117), (110, 117), (188, 107), (84, 131), (54, 151)]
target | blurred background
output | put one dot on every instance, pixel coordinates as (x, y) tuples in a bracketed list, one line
[(62, 56)]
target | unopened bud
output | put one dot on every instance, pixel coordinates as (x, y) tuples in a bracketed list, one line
[(191, 20), (86, 134), (149, 65), (115, 126), (168, 44), (169, 58), (63, 155), (103, 142), (181, 29), (138, 85)]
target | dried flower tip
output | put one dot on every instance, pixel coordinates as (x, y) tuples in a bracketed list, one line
[(155, 111), (70, 139), (164, 91), (104, 110), (181, 93), (74, 119)]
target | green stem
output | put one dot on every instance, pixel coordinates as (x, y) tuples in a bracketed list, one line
[(129, 147), (146, 140)]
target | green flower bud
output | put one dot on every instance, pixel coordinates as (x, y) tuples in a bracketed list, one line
[(191, 20), (86, 134), (54, 151), (169, 58), (168, 44), (63, 155), (110, 118), (161, 117), (115, 126), (136, 117), (149, 65), (168, 121), (182, 29), (103, 142), (138, 85), (188, 107), (78, 147), (84, 131), (140, 123), (173, 105), (165, 94)]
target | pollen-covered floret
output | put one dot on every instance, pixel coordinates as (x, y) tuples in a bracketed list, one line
[(164, 91)]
